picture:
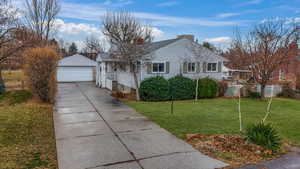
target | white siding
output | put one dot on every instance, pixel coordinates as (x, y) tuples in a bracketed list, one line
[(108, 84), (176, 54), (126, 79)]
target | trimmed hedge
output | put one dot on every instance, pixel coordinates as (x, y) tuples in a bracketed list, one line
[(207, 88), (182, 88), (154, 89)]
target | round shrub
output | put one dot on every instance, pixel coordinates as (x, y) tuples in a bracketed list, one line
[(223, 86), (208, 88), (254, 95), (264, 135), (182, 88), (154, 89)]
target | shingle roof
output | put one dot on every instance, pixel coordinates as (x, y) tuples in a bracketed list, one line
[(150, 47), (203, 53), (76, 60)]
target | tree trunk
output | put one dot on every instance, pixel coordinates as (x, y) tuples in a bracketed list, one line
[(136, 85), (262, 90)]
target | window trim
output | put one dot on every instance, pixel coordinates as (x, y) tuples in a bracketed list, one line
[(212, 71), (158, 62), (187, 65)]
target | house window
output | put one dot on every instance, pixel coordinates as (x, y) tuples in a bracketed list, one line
[(159, 67), (191, 67), (211, 67)]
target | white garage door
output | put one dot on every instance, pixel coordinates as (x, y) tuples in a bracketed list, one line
[(75, 74)]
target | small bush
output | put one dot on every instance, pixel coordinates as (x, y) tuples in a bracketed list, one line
[(207, 88), (182, 88), (254, 95), (15, 97), (287, 93), (223, 86), (264, 135), (40, 70), (154, 89)]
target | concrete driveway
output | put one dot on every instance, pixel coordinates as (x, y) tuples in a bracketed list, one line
[(95, 131)]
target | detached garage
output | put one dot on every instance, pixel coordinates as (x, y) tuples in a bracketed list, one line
[(76, 68)]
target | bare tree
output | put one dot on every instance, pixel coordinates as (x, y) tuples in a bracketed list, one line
[(40, 16), (8, 27), (14, 37), (94, 45), (127, 36), (265, 49)]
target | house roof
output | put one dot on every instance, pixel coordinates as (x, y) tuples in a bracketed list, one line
[(150, 47), (77, 60), (203, 52)]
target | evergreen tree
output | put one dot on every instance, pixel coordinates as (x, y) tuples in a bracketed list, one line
[(73, 49)]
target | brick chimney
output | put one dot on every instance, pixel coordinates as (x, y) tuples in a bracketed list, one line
[(186, 36), (140, 41)]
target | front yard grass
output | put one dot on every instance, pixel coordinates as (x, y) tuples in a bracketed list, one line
[(220, 116), (26, 133)]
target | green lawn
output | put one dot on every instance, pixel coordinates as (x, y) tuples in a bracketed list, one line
[(220, 116), (26, 133)]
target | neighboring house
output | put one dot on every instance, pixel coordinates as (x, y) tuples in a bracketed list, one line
[(288, 73), (236, 74), (168, 58), (76, 68)]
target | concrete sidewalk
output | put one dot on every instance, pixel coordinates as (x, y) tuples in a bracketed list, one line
[(95, 131)]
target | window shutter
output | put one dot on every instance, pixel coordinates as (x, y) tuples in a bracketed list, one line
[(185, 67), (219, 67), (198, 67), (167, 67), (204, 67), (149, 68)]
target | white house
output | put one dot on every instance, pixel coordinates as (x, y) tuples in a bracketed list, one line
[(76, 68), (168, 58)]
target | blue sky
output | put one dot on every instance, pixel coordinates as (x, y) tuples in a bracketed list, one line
[(210, 20)]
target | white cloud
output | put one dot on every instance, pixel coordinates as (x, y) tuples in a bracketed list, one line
[(168, 4), (218, 40), (157, 33), (222, 42), (78, 32), (94, 11), (250, 2), (118, 3), (227, 15), (287, 20), (76, 28)]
